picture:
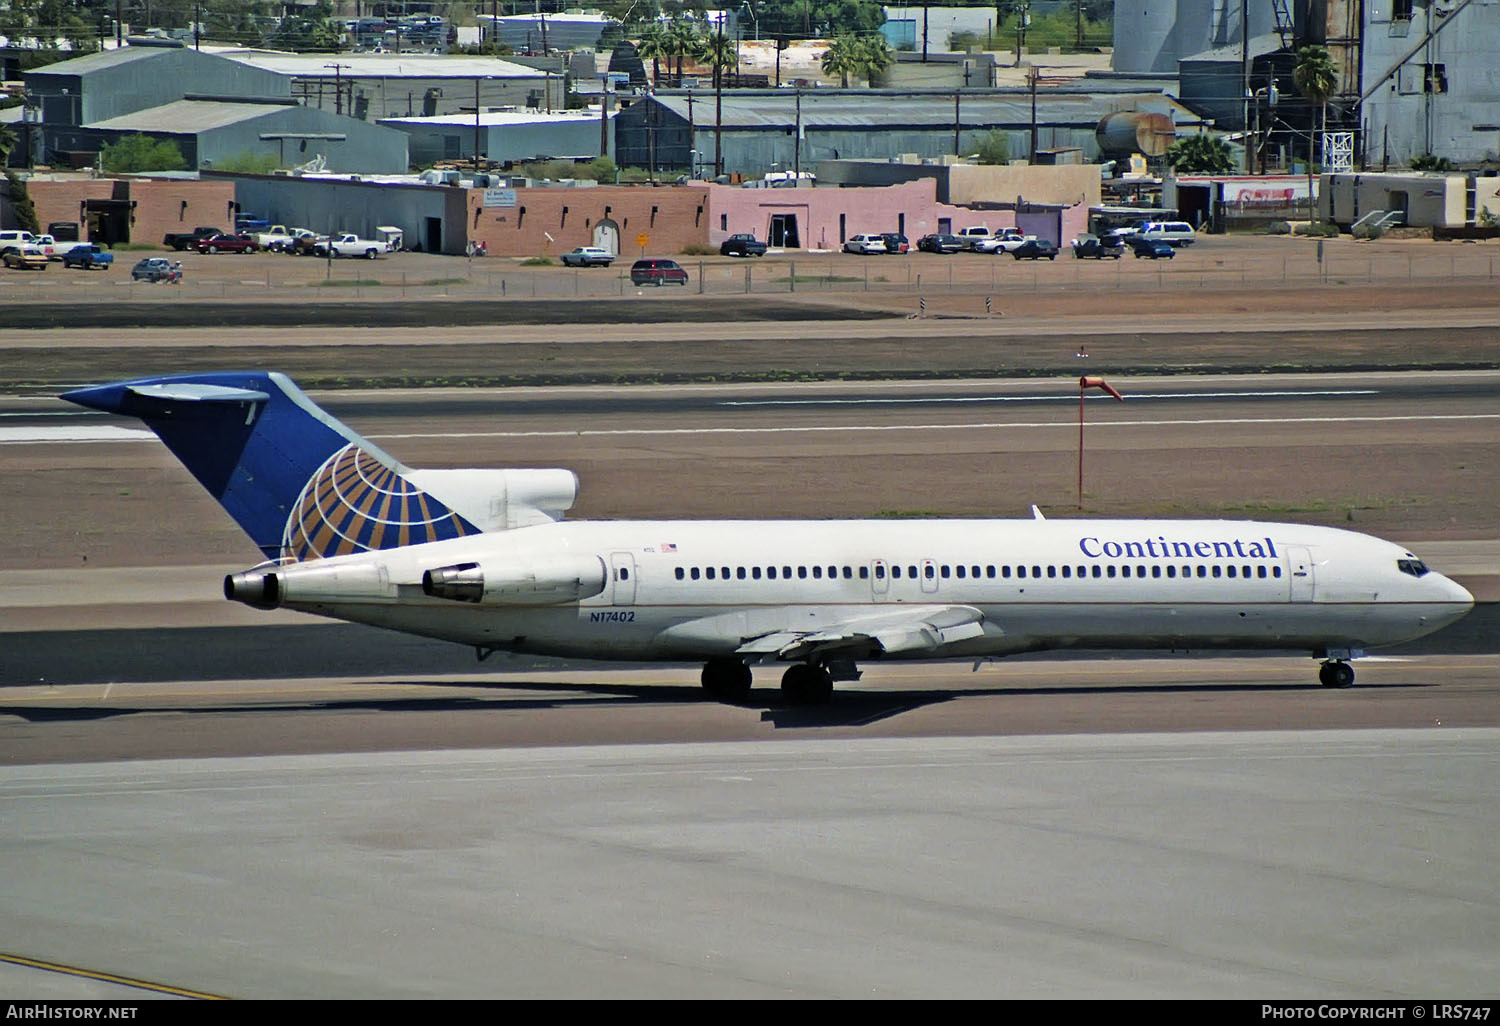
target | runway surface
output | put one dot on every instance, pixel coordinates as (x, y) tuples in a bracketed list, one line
[(1302, 865)]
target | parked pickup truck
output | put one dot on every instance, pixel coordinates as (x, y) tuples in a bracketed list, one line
[(87, 256), (187, 240), (278, 237), (742, 245), (350, 245), (55, 250)]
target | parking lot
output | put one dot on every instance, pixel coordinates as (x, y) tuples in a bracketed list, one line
[(1212, 262)]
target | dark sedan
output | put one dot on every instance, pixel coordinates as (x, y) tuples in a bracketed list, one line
[(1155, 249), (941, 244), (1035, 249)]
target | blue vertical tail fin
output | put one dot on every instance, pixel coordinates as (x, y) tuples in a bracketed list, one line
[(301, 484)]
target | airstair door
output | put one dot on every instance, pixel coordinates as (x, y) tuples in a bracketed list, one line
[(622, 578)]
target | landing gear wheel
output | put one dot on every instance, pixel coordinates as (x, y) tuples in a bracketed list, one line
[(1336, 675), (803, 684), (726, 679)]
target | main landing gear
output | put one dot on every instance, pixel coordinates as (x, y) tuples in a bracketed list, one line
[(1336, 674), (806, 684), (727, 679)]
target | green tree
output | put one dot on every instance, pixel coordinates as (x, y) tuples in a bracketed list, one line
[(841, 58), (719, 52), (994, 147), (874, 56), (1200, 154), (141, 153), (684, 40), (1315, 77), (654, 44)]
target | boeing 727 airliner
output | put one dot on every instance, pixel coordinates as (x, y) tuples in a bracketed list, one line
[(484, 558)]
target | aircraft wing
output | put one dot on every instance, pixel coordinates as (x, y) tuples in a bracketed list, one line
[(907, 630)]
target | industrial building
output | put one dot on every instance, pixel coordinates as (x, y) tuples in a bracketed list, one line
[(377, 86), (213, 109), (765, 130), (502, 136), (1412, 77)]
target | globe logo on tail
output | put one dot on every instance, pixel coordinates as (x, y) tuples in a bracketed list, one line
[(356, 503)]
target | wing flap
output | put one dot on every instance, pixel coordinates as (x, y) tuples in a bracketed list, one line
[(907, 630)]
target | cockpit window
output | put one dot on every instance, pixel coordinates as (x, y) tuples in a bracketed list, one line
[(1415, 567)]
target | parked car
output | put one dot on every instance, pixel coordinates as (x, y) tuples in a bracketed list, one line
[(17, 239), (186, 240), (865, 244), (1035, 249), (1156, 249), (1093, 247), (350, 245), (1005, 240), (940, 243), (895, 242), (156, 269), (24, 258), (653, 271), (588, 256), (226, 243), (973, 234), (742, 245), (87, 256), (1175, 233)]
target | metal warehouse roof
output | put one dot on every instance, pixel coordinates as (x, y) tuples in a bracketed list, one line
[(102, 60), (883, 109), (185, 117), (379, 65), (501, 117)]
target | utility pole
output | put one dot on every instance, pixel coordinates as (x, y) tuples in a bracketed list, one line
[(1031, 77), (719, 101), (338, 88), (476, 123), (604, 114), (1245, 79), (797, 140)]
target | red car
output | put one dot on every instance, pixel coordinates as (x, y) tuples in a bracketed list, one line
[(224, 243)]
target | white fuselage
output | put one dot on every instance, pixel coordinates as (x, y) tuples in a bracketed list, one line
[(694, 590)]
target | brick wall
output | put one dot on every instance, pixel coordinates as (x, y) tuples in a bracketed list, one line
[(161, 206), (671, 216)]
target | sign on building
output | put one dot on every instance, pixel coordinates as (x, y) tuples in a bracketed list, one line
[(499, 197)]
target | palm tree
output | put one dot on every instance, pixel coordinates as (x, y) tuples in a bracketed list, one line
[(1315, 77), (719, 52), (874, 57), (684, 41), (842, 57), (654, 43)]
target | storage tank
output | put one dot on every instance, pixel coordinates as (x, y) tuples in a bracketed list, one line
[(1132, 131), (1143, 36)]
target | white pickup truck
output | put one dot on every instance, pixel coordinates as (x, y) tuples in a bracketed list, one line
[(55, 250), (278, 237), (348, 244)]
